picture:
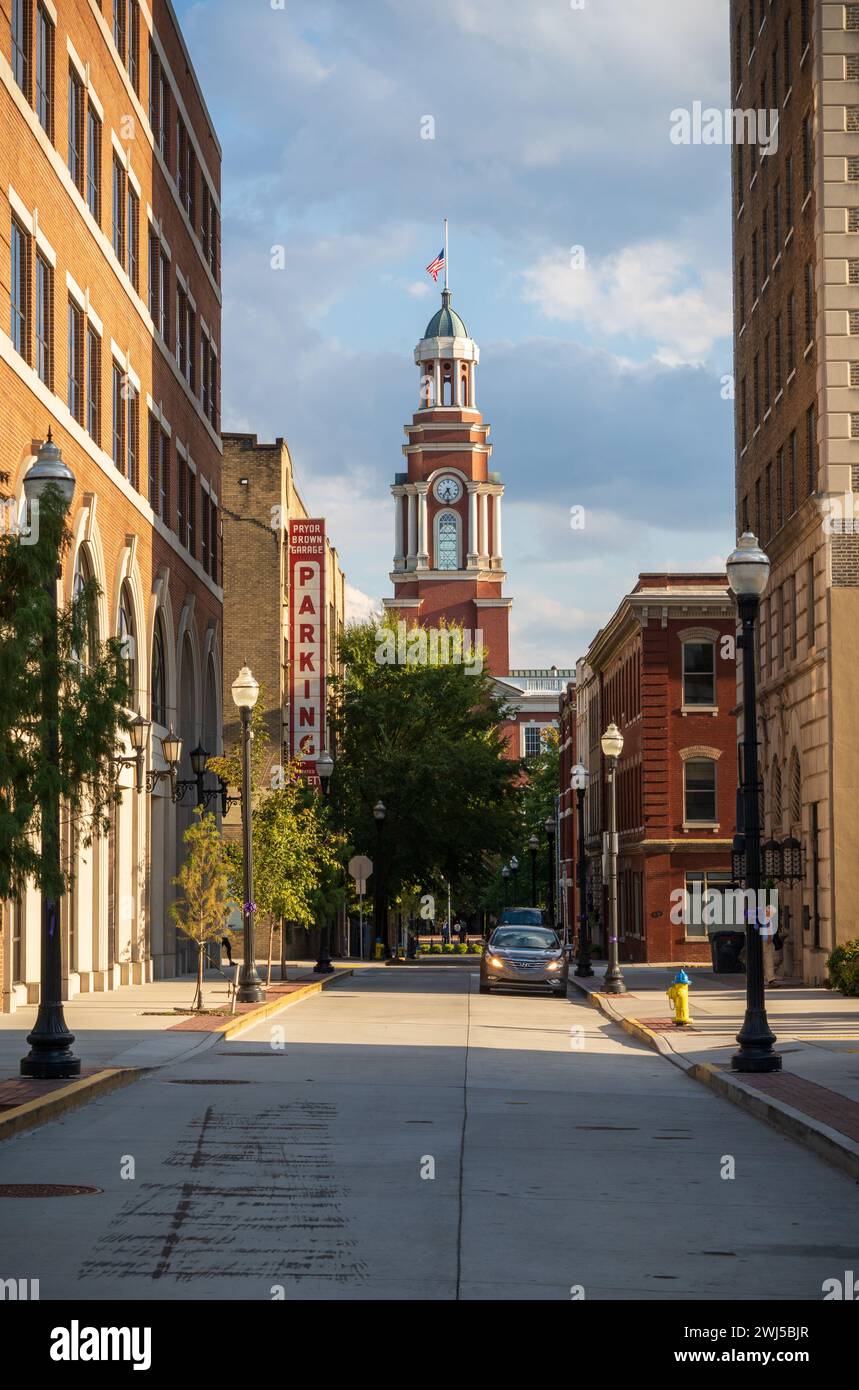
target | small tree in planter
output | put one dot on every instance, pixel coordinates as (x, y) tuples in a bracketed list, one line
[(843, 968), (202, 909)]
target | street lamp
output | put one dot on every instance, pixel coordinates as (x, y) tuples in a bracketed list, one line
[(579, 783), (324, 769), (549, 827), (612, 747), (50, 1056), (245, 694), (379, 915), (533, 845), (505, 880), (514, 869), (748, 573)]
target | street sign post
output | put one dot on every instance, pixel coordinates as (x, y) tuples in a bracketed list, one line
[(360, 869)]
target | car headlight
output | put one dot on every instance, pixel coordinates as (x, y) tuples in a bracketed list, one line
[(494, 961), (554, 965)]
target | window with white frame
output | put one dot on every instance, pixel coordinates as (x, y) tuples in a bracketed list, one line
[(699, 791), (533, 740), (447, 541), (699, 673), (705, 909)]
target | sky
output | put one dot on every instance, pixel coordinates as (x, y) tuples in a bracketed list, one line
[(589, 259)]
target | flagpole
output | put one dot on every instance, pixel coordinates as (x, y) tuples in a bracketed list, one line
[(445, 254)]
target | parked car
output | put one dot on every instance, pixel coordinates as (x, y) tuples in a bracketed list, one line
[(524, 955)]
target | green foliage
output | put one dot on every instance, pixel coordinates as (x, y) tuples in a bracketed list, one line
[(842, 967), (424, 740), (201, 911), (48, 752), (297, 857)]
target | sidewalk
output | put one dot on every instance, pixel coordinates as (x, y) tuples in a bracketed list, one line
[(124, 1032), (815, 1098)]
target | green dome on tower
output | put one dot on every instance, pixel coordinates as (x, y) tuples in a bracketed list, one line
[(446, 323)]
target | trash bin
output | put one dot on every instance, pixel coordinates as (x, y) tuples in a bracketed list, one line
[(726, 948)]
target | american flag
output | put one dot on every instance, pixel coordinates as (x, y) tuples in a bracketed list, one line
[(438, 264)]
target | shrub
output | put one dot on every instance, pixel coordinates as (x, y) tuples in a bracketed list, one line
[(435, 949), (447, 949), (843, 968), (461, 949), (475, 948)]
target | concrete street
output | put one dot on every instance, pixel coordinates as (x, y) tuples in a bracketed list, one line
[(565, 1154)]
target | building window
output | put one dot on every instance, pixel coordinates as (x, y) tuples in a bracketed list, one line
[(699, 673), (706, 907), (44, 321), (75, 349), (132, 431), (533, 740), (19, 290), (741, 288), (128, 641), (755, 276), (158, 682), (93, 162), (192, 512), (809, 604), (118, 211), (132, 232), (22, 44), (163, 295), (214, 541), (132, 42), (93, 383), (447, 541), (164, 479), (794, 496), (780, 489), (807, 160), (779, 354), (45, 71), (809, 303), (811, 448), (699, 775), (181, 491), (118, 418), (204, 529), (76, 120), (788, 53)]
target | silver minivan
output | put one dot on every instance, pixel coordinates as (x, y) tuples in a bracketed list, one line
[(524, 955)]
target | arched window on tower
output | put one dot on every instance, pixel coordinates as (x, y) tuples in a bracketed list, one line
[(426, 391), (128, 638), (463, 389), (447, 541)]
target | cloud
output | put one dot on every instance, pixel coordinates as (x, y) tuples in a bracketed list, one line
[(646, 294)]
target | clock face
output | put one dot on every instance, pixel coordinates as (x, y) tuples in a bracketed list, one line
[(448, 490)]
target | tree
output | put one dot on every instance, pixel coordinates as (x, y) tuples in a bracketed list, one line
[(94, 693), (423, 737), (297, 858), (201, 911)]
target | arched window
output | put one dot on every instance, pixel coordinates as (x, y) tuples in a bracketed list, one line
[(447, 385), (159, 676), (82, 577), (128, 638), (795, 789), (463, 395), (447, 541), (427, 391), (776, 803), (700, 791)]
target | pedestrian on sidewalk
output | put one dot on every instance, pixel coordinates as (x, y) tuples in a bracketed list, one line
[(226, 946), (463, 932), (445, 932)]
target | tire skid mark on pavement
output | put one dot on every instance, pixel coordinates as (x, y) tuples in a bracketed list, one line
[(276, 1213)]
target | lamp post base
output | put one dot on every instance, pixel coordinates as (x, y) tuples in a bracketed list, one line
[(584, 969), (251, 989), (755, 1061), (50, 1057), (614, 982)]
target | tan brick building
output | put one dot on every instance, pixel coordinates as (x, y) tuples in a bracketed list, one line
[(796, 312), (110, 336), (260, 499)]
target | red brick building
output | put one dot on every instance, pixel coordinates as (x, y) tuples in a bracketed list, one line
[(567, 810), (664, 670), (110, 313)]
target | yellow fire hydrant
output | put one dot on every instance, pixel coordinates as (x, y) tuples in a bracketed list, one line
[(678, 993)]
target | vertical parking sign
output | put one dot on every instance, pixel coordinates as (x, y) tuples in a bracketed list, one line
[(307, 642)]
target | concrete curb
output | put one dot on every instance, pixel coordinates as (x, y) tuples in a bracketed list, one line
[(40, 1111), (44, 1108), (829, 1144), (238, 1025)]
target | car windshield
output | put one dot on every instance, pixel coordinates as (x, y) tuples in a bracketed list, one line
[(522, 917), (524, 939)]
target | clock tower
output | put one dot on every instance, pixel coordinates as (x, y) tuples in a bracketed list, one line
[(447, 503)]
